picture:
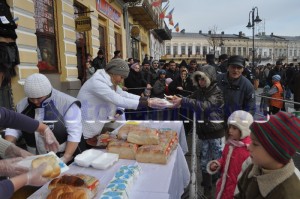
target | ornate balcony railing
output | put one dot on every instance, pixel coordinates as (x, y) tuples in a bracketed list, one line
[(143, 13)]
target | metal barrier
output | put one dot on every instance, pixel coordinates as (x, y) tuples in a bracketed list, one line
[(193, 185)]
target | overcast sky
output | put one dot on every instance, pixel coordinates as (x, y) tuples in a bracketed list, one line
[(282, 17)]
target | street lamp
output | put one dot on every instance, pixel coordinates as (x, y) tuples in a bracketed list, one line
[(252, 25)]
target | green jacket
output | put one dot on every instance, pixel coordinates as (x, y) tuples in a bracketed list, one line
[(283, 183)]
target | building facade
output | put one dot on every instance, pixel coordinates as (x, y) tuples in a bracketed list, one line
[(267, 48), (55, 37)]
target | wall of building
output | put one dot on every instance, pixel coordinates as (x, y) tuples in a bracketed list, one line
[(66, 78)]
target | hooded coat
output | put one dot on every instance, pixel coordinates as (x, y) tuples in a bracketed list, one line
[(208, 104)]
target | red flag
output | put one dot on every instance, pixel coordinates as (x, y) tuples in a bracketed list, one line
[(156, 3), (171, 22), (170, 14), (163, 12)]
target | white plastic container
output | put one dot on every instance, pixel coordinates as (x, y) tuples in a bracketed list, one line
[(85, 159), (105, 160)]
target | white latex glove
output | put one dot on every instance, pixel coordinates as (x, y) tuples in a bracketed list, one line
[(157, 103), (10, 168), (51, 144), (65, 159), (14, 151), (34, 176)]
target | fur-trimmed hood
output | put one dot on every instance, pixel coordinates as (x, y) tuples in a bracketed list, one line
[(208, 72)]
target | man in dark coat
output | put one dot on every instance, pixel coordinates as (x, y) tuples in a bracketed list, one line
[(237, 90), (99, 62)]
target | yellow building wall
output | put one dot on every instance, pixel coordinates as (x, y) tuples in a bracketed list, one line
[(66, 37)]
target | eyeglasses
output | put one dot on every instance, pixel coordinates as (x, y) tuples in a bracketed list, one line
[(155, 63)]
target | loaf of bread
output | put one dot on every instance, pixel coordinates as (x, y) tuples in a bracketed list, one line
[(67, 192), (125, 149), (143, 136), (52, 170), (158, 153), (70, 180), (124, 130), (69, 183), (152, 154)]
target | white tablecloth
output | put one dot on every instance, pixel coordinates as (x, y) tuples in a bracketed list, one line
[(156, 181)]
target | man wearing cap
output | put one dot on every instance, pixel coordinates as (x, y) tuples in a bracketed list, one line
[(276, 92), (101, 95), (58, 110), (149, 74), (237, 90)]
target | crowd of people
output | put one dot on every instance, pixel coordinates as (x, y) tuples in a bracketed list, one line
[(256, 161)]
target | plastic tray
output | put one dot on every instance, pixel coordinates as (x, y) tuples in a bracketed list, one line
[(96, 158), (26, 162), (85, 159), (105, 160)]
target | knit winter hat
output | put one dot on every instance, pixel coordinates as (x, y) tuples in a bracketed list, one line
[(117, 66), (242, 120), (280, 135), (276, 78), (161, 71), (37, 85)]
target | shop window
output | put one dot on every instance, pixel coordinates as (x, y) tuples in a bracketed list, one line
[(135, 48), (244, 51), (46, 36), (175, 50), (204, 50), (183, 50), (229, 51), (168, 50), (239, 51), (103, 39), (190, 50), (198, 50), (118, 42)]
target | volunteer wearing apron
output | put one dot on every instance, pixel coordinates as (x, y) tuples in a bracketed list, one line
[(58, 110)]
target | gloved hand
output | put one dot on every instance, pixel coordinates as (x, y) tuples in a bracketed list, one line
[(10, 168), (66, 159), (34, 176), (14, 151), (51, 144)]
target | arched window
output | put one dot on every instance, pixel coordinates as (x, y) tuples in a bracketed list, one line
[(46, 36)]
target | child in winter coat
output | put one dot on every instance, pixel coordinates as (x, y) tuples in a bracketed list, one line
[(233, 155), (273, 173)]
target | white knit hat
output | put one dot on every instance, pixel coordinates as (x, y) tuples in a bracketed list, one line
[(242, 120), (37, 85)]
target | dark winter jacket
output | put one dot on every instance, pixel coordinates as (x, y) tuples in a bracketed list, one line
[(187, 85), (159, 88), (239, 94), (208, 104), (99, 63), (135, 80)]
